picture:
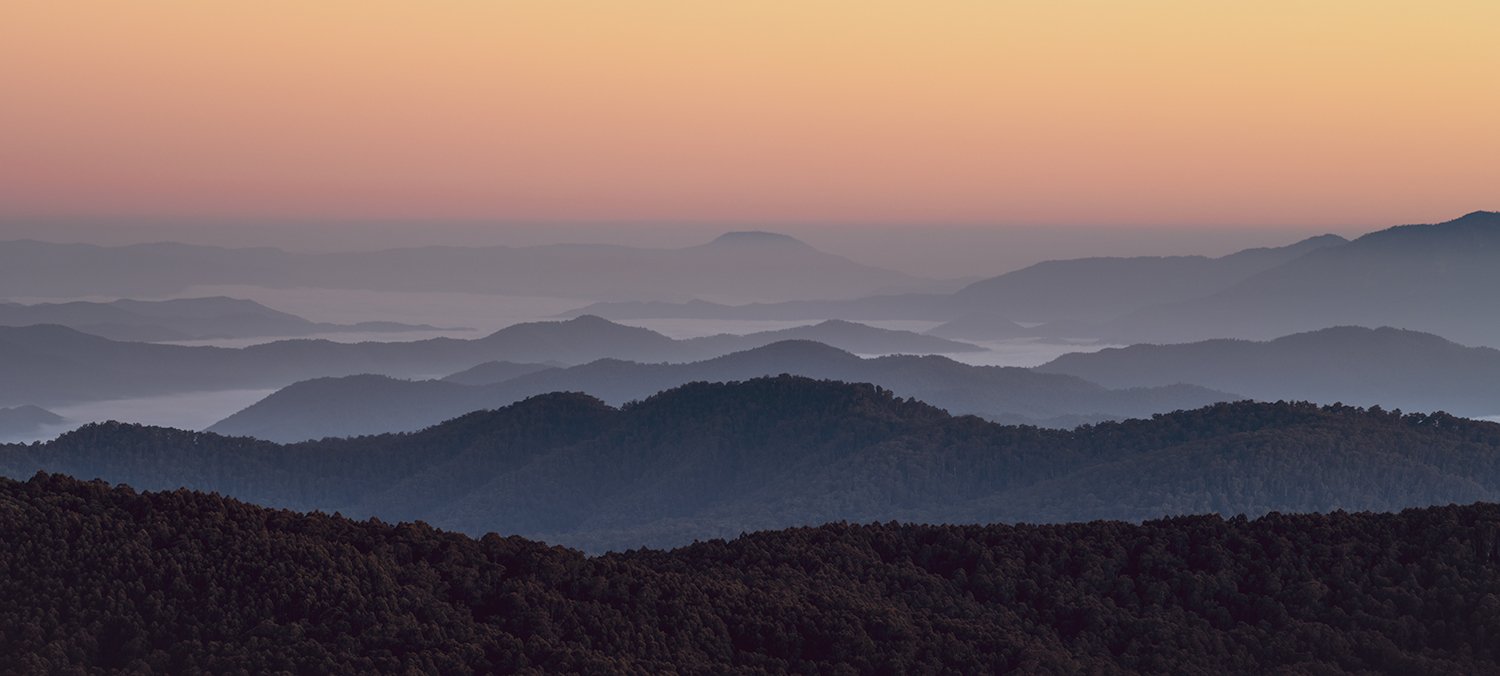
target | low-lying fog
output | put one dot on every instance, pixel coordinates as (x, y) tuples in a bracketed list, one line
[(188, 410), (480, 314)]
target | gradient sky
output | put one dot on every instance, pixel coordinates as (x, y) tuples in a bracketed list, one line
[(1306, 113)]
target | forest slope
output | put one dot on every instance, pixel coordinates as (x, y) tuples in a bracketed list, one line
[(100, 578)]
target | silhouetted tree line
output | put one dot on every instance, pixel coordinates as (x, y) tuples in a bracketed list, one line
[(97, 579)]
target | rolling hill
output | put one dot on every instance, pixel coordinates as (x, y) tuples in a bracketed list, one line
[(1439, 278), (367, 404), (714, 460), (49, 364)]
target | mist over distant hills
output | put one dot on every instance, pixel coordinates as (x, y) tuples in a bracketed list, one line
[(26, 420), (1441, 278), (849, 336), (1097, 289), (367, 404), (182, 319), (1354, 365), (742, 266), (1086, 289), (49, 364)]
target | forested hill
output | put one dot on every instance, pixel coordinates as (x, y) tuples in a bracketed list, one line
[(106, 579), (713, 460)]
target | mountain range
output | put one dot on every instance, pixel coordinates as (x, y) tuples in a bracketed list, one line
[(368, 404), (741, 266), (1349, 364), (182, 319), (1441, 278), (714, 460), (1079, 290), (49, 364)]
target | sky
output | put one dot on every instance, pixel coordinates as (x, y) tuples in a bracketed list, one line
[(852, 117)]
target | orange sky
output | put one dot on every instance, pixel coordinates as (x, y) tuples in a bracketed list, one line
[(1010, 112)]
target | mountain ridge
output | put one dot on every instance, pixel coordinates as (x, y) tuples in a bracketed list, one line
[(1438, 278), (1384, 366), (1087, 289), (353, 406), (52, 364), (712, 460)]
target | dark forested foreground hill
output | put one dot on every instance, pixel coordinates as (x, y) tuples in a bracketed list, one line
[(107, 579), (713, 460)]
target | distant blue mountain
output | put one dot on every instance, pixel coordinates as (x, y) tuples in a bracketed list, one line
[(358, 405)]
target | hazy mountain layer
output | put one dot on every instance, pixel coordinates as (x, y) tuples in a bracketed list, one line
[(26, 420), (1442, 278), (367, 404), (709, 460), (845, 335), (1387, 367), (1086, 290), (744, 266), (107, 579), (181, 319), (1095, 289), (492, 372), (48, 364)]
